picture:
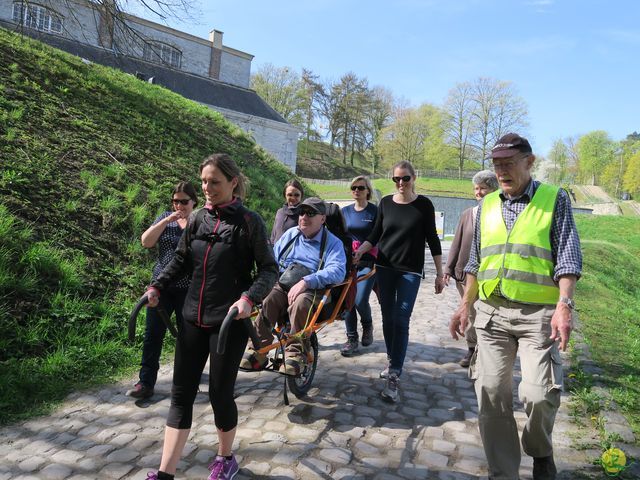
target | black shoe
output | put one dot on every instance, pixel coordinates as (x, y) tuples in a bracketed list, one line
[(350, 348), (466, 360), (544, 468), (367, 336), (140, 390)]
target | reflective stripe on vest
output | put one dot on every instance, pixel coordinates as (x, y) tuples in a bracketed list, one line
[(520, 260)]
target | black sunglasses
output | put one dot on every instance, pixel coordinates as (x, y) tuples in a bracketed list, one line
[(405, 179), (358, 187), (308, 213), (181, 201)]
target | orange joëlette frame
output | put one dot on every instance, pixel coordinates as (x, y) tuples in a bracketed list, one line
[(314, 325)]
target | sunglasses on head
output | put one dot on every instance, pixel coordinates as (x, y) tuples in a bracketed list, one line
[(181, 201), (405, 179), (308, 213), (358, 187)]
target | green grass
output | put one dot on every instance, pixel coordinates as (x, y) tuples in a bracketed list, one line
[(608, 299), (425, 186), (89, 157)]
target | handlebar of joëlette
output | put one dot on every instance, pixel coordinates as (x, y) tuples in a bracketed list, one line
[(224, 331), (133, 318)]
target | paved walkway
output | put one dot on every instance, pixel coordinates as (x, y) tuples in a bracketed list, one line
[(342, 431)]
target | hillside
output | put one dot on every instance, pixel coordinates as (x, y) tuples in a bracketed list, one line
[(321, 160), (89, 156)]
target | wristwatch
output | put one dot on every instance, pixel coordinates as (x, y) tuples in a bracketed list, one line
[(570, 303)]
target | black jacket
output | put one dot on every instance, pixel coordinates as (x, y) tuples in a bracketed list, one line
[(220, 248)]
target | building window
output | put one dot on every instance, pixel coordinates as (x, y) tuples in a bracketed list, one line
[(38, 17), (162, 53)]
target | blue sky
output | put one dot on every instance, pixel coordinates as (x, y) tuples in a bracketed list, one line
[(575, 62)]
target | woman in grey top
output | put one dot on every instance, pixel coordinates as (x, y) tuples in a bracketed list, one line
[(484, 182)]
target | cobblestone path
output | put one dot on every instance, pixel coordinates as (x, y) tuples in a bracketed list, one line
[(343, 430)]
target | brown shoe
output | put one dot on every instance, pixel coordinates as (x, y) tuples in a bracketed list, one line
[(292, 365), (544, 468), (253, 360), (140, 390), (466, 360)]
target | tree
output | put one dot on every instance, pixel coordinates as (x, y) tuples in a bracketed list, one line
[(380, 115), (595, 151), (459, 121), (348, 104), (631, 179), (284, 90), (115, 31), (559, 161), (497, 110)]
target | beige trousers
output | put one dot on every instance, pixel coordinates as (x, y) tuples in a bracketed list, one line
[(276, 310), (505, 328), (470, 331)]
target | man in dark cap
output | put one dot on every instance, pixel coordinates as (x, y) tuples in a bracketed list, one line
[(524, 263), (310, 257)]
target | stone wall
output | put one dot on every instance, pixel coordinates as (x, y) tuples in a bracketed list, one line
[(235, 69), (81, 23), (277, 138)]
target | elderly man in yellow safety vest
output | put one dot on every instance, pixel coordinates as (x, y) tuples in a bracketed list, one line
[(524, 263)]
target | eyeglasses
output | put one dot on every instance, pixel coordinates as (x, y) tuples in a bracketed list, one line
[(405, 179), (360, 188), (181, 201), (308, 213), (292, 194)]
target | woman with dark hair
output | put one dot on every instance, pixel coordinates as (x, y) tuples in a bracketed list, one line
[(359, 219), (223, 243), (165, 232), (405, 222), (287, 215)]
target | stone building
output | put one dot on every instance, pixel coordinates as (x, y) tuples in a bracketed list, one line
[(203, 70)]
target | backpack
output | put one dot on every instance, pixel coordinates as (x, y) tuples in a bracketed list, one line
[(336, 225)]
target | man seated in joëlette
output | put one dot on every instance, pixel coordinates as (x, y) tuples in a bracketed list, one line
[(309, 251)]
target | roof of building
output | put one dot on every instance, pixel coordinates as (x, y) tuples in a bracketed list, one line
[(200, 89)]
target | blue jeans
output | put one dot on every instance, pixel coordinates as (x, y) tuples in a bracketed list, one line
[(172, 301), (361, 306), (398, 292)]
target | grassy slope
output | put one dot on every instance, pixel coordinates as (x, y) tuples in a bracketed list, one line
[(88, 158), (608, 298)]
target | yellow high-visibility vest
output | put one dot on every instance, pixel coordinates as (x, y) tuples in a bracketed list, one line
[(519, 259)]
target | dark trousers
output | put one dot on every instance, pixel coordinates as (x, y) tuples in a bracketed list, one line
[(363, 291), (194, 346), (172, 301)]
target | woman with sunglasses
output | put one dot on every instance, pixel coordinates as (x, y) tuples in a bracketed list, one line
[(405, 222), (287, 215), (227, 250), (359, 219), (165, 232)]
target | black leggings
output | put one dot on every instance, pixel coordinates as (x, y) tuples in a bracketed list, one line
[(193, 346)]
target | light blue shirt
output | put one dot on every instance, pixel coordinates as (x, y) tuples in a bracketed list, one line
[(306, 251)]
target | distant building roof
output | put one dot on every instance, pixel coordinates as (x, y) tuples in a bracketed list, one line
[(194, 87)]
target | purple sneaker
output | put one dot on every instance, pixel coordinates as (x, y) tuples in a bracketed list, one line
[(223, 469), (152, 476)]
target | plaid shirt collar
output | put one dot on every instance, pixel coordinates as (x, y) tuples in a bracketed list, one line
[(528, 192)]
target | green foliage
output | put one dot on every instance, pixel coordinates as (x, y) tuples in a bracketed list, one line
[(89, 156), (608, 303), (596, 150)]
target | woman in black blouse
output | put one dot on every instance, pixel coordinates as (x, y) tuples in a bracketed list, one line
[(404, 223), (165, 232), (287, 215)]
